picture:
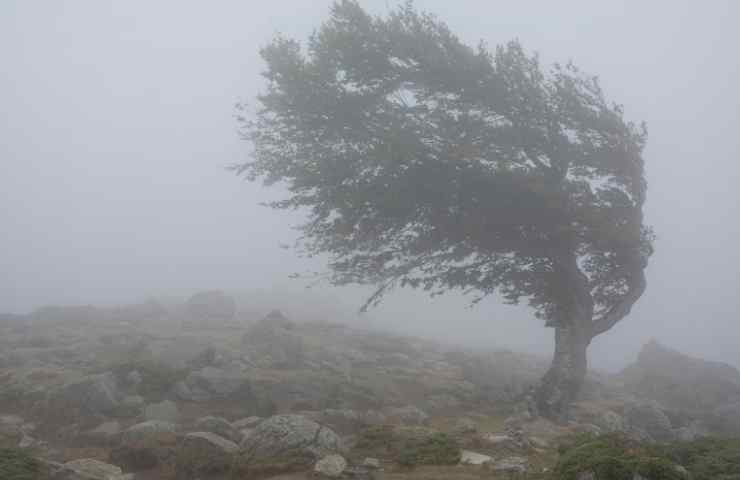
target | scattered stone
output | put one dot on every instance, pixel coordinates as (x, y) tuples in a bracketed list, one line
[(511, 465), (165, 411), (612, 422), (331, 466), (474, 458), (371, 463)]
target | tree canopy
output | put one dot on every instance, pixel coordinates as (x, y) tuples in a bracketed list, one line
[(429, 163)]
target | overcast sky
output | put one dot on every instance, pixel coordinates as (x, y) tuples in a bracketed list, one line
[(118, 120)]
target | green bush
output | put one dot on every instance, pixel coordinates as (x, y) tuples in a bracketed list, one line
[(15, 464), (437, 449), (157, 378), (615, 457)]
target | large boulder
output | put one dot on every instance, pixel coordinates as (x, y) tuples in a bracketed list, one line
[(91, 395), (287, 435), (331, 466), (145, 445), (272, 342), (681, 382), (204, 453), (219, 426), (212, 383)]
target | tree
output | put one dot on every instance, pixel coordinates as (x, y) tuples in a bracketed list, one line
[(423, 162)]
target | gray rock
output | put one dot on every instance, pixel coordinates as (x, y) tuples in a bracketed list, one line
[(105, 432), (204, 453), (612, 422), (219, 426), (89, 469), (95, 394), (286, 434), (648, 418), (212, 383), (271, 342), (331, 466), (371, 463), (133, 401), (134, 378), (146, 431), (474, 458), (165, 411), (730, 416), (248, 422), (511, 464), (464, 426)]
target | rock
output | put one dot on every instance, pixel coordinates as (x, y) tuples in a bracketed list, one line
[(498, 441), (104, 433), (464, 426), (89, 469), (282, 435), (728, 416), (612, 422), (679, 381), (473, 458), (691, 432), (408, 415), (211, 306), (27, 442), (95, 394), (144, 445), (165, 411), (212, 383), (219, 426), (511, 465), (204, 453), (371, 463), (248, 422), (272, 343), (331, 466), (146, 431), (133, 401), (648, 419)]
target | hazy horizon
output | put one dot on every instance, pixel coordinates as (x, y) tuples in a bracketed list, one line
[(119, 125)]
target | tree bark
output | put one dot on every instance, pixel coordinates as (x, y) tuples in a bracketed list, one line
[(563, 381)]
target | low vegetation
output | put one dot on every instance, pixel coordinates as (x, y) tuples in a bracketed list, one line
[(616, 457), (16, 464)]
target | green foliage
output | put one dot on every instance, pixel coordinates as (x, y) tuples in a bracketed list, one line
[(707, 458), (424, 162), (437, 449), (409, 446), (616, 457), (15, 464)]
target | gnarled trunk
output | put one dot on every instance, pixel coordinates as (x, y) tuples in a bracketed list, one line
[(562, 382)]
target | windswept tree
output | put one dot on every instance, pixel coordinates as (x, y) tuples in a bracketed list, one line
[(424, 162)]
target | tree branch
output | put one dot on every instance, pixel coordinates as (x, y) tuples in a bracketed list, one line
[(623, 307)]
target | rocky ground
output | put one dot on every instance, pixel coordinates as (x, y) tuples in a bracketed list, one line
[(205, 390)]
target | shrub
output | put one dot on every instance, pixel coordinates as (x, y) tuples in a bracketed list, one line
[(15, 464)]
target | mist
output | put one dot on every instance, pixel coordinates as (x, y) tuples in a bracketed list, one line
[(119, 126)]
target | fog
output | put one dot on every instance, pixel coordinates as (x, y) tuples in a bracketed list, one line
[(118, 125)]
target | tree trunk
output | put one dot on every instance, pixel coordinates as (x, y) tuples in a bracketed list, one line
[(562, 382)]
